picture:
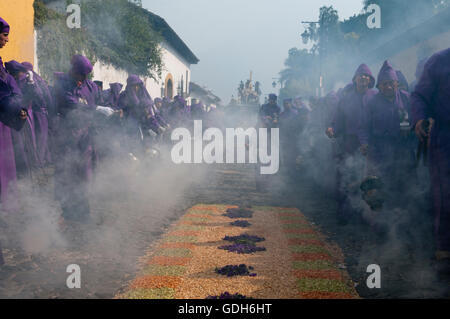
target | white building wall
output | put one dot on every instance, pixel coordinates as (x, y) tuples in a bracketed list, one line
[(173, 64)]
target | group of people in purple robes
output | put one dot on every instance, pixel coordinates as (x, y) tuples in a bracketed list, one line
[(13, 116)]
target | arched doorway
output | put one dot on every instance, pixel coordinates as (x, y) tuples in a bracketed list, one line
[(168, 92)]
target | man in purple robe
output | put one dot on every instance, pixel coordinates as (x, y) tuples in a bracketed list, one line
[(385, 135), (40, 108), (158, 114), (77, 102), (431, 99), (25, 149), (138, 112), (197, 110), (288, 133), (179, 112), (269, 113), (111, 95), (346, 127), (12, 115)]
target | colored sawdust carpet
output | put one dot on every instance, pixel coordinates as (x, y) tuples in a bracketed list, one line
[(290, 256)]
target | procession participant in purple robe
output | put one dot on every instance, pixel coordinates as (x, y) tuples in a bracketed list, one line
[(179, 112), (40, 106), (24, 141), (75, 154), (111, 95), (140, 122), (158, 114), (303, 113), (288, 133), (197, 110), (402, 81), (386, 134), (431, 99), (12, 115), (346, 127), (269, 113)]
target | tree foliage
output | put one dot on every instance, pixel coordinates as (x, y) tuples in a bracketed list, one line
[(115, 31), (336, 45)]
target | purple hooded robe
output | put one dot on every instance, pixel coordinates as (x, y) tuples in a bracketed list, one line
[(75, 150), (41, 105), (179, 112), (24, 141), (391, 155), (10, 107), (431, 98), (346, 123), (111, 96), (138, 108)]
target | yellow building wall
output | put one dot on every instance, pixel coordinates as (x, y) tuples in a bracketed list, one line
[(20, 16)]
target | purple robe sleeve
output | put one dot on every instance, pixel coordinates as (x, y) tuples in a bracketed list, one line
[(11, 104)]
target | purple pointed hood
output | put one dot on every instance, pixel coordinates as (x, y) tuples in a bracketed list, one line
[(364, 69), (402, 79), (387, 73), (116, 88), (14, 67), (4, 26), (28, 65), (143, 98), (133, 79), (81, 65)]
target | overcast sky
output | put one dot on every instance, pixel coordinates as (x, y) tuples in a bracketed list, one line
[(232, 37)]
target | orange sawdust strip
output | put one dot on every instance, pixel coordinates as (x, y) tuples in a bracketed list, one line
[(193, 275), (169, 261), (310, 256), (306, 242), (273, 267), (150, 282), (198, 215), (299, 231), (318, 274), (326, 295), (296, 221), (184, 233), (177, 245)]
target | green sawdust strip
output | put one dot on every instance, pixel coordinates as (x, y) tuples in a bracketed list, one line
[(300, 277), (180, 239), (307, 249), (314, 265), (188, 227), (158, 270), (174, 252), (322, 285), (156, 293)]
